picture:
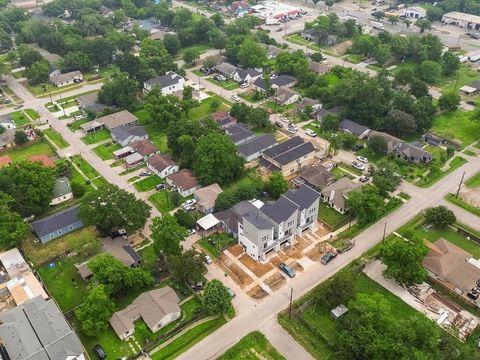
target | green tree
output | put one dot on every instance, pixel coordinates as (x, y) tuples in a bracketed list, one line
[(216, 299), (423, 24), (403, 258), (20, 137), (38, 72), (167, 235), (95, 312), (12, 227), (119, 90), (27, 56), (429, 71), (440, 217), (251, 54), (407, 23), (185, 219), (330, 123), (378, 145), (187, 268), (217, 160), (76, 60), (161, 109), (378, 15), (2, 129), (382, 54), (111, 208), (78, 190), (276, 185), (172, 43), (385, 177), (400, 123), (337, 290), (392, 19), (190, 56), (366, 204), (450, 63), (449, 101)]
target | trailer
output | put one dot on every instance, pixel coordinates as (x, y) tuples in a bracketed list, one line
[(377, 25), (272, 21)]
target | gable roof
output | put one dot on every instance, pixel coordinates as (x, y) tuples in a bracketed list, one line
[(242, 74), (226, 68), (56, 221), (391, 140), (120, 118), (185, 179), (207, 195), (7, 137), (6, 119), (319, 68), (290, 150), (410, 151), (259, 143), (303, 197), (169, 79), (161, 161), (337, 192), (144, 147), (317, 176), (279, 210), (231, 216), (239, 132), (222, 117), (353, 127), (122, 133), (281, 80), (61, 78), (284, 94)]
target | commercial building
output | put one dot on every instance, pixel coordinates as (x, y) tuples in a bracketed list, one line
[(463, 20)]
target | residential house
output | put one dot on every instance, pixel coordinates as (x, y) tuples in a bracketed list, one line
[(433, 139), (6, 121), (349, 126), (451, 266), (475, 84), (468, 90), (58, 224), (319, 68), (310, 35), (392, 141), (162, 165), (413, 153), (43, 159), (89, 104), (415, 12), (288, 157), (184, 181), (313, 105), (7, 139), (226, 69), (307, 199), (133, 160), (169, 83), (273, 51), (336, 194), (144, 147), (121, 118), (206, 197), (124, 135), (275, 83), (239, 133), (321, 112), (239, 8), (61, 191), (254, 148), (285, 96), (223, 119), (37, 329), (123, 152), (315, 176), (229, 218), (157, 308), (91, 127), (25, 4), (61, 80), (247, 76)]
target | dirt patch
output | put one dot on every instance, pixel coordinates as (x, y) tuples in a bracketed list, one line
[(237, 274), (470, 195), (275, 281), (257, 292), (257, 268), (235, 250), (275, 261), (296, 266), (316, 253), (321, 231), (301, 243), (340, 48), (293, 252)]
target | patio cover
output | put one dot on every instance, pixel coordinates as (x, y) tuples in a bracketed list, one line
[(208, 222), (468, 89)]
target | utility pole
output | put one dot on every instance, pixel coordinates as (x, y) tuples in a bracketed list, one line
[(291, 302), (460, 185), (384, 231)]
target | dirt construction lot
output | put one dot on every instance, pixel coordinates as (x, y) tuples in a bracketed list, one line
[(470, 195)]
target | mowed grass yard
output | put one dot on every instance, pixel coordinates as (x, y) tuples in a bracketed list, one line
[(20, 118), (216, 243), (19, 153), (474, 181), (148, 184), (95, 137), (105, 151), (331, 217), (252, 346), (457, 125), (56, 138)]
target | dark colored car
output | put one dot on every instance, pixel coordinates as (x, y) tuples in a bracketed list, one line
[(160, 186), (357, 147), (197, 286), (117, 233), (287, 270), (279, 124), (327, 258), (98, 350)]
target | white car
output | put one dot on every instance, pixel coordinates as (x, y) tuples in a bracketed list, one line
[(358, 165), (189, 204), (191, 231), (292, 130), (310, 132), (235, 98), (362, 159), (285, 120), (208, 259), (244, 86)]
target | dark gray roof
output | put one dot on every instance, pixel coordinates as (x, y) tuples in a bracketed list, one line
[(412, 151), (239, 132), (281, 80), (258, 220), (6, 119), (295, 153), (318, 176), (37, 330), (56, 221), (257, 144), (231, 216), (226, 68), (124, 132), (283, 147), (268, 165), (476, 84), (170, 78), (62, 187), (279, 210), (353, 127), (133, 254), (244, 73), (304, 196)]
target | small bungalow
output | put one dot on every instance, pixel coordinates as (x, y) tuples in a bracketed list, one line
[(273, 51), (7, 139), (275, 83), (316, 176), (206, 197), (285, 96), (144, 147), (133, 160), (239, 133), (124, 135), (392, 141), (91, 127), (61, 191), (246, 76), (61, 80), (223, 119), (226, 69), (123, 152), (162, 165), (319, 68), (349, 126), (121, 118), (433, 139), (413, 153), (58, 224), (336, 194), (184, 181), (89, 104)]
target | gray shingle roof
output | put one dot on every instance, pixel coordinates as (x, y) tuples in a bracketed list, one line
[(257, 144), (56, 221), (244, 73), (259, 220), (295, 153), (353, 127), (170, 78), (411, 151), (279, 210), (62, 187), (317, 176), (6, 119), (283, 147), (239, 133), (226, 68), (231, 216), (304, 196), (124, 132), (282, 80)]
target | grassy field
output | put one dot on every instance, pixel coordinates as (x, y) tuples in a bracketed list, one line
[(463, 204), (56, 138), (250, 96), (205, 109), (148, 183), (252, 346), (272, 105), (98, 136), (432, 178), (464, 76), (457, 125), (338, 172), (331, 217), (19, 118), (105, 151), (32, 113), (85, 167), (160, 201), (64, 283), (216, 243), (188, 339), (76, 124), (149, 257), (350, 168), (19, 153), (227, 84), (474, 181)]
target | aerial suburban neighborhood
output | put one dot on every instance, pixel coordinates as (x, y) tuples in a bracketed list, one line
[(204, 179)]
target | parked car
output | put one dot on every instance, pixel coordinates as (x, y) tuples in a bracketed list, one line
[(189, 204), (287, 270), (208, 259), (236, 98), (99, 352), (362, 159), (279, 124), (18, 106), (192, 231), (285, 120), (310, 132), (7, 101), (470, 102), (231, 292), (160, 186), (145, 173), (197, 286), (329, 256), (118, 233), (291, 130), (244, 85), (358, 165), (219, 78), (363, 178)]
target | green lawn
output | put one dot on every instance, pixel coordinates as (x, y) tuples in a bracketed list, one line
[(19, 153), (216, 243), (98, 136), (469, 153), (157, 136), (201, 48), (251, 96), (432, 178), (32, 113), (252, 346), (149, 257), (56, 138), (463, 204), (457, 125), (99, 182), (331, 217), (278, 108), (160, 201), (19, 118), (370, 155), (85, 167), (105, 151), (187, 340), (205, 109), (227, 84), (148, 183), (76, 124), (464, 76), (474, 181), (350, 168), (338, 172), (64, 283)]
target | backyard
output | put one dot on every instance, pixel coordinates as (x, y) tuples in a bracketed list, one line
[(216, 243), (162, 200), (252, 346), (38, 147), (148, 183)]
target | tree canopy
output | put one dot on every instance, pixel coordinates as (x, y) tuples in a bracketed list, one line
[(216, 299), (12, 227), (95, 312), (366, 204), (440, 216), (188, 267), (167, 235)]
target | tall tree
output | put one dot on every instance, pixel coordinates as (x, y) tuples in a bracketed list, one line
[(366, 204), (188, 267), (167, 235), (119, 90), (216, 299), (378, 145), (449, 101), (251, 54), (450, 63), (276, 185), (423, 24), (440, 216), (95, 311), (12, 227), (386, 177)]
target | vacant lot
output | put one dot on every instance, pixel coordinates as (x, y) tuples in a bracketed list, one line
[(56, 138), (149, 183), (95, 137), (216, 243), (457, 125), (252, 346), (105, 151), (331, 217), (19, 153)]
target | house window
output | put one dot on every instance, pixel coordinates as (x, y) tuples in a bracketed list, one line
[(265, 245), (265, 238), (240, 226), (52, 236), (59, 232), (70, 227)]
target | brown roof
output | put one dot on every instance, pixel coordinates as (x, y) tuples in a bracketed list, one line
[(317, 176), (449, 262), (5, 160), (391, 140), (319, 68), (144, 147), (160, 162), (120, 118), (207, 196), (44, 159), (184, 179), (336, 193), (152, 306)]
